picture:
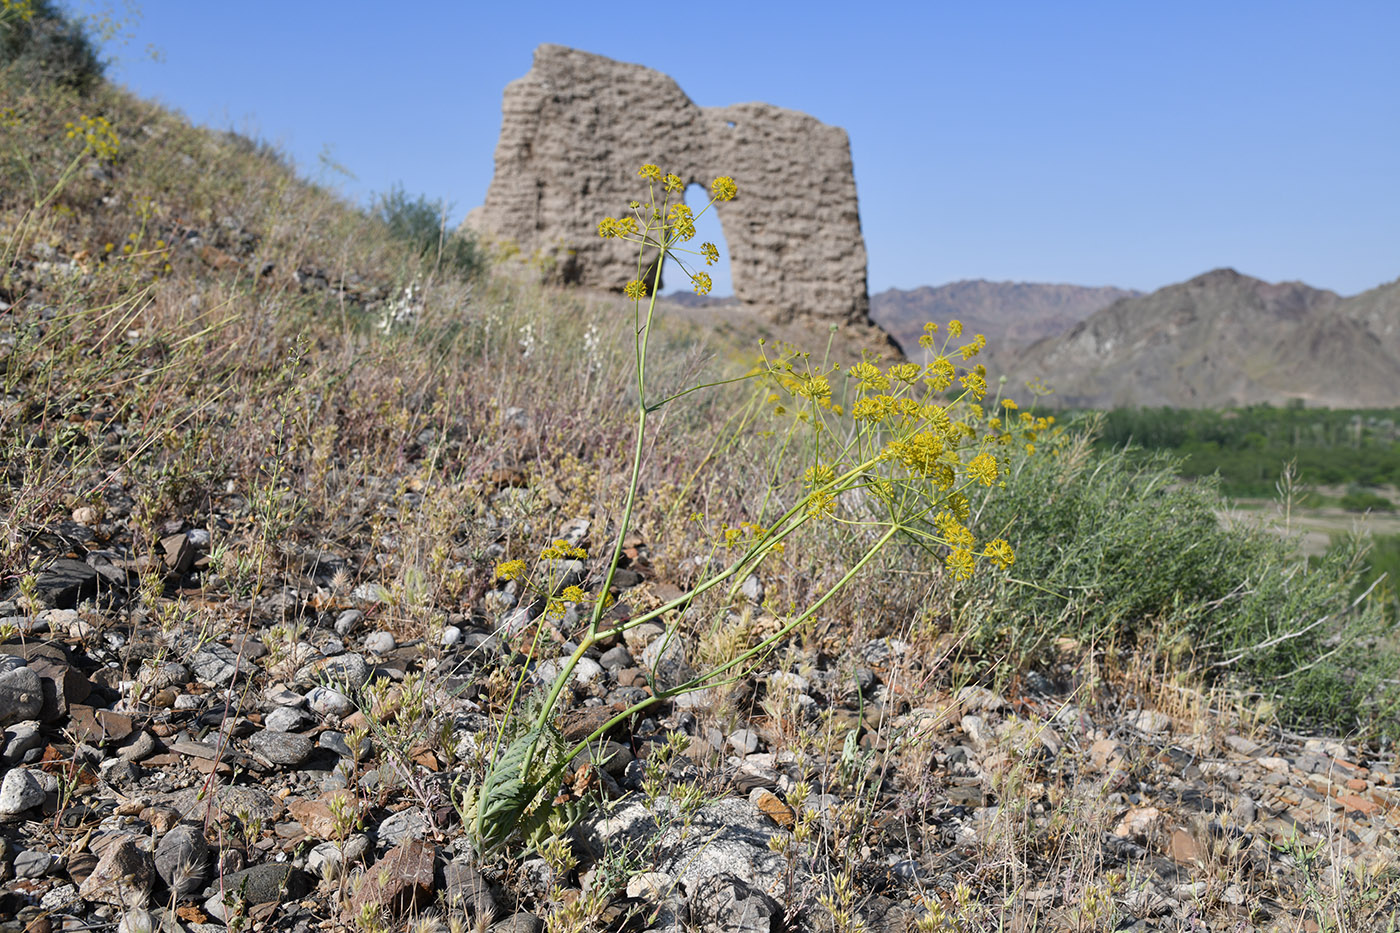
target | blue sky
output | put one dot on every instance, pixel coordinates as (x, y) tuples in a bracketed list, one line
[(1129, 143)]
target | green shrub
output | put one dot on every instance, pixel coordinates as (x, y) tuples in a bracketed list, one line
[(38, 43), (421, 224), (1364, 500), (1114, 547)]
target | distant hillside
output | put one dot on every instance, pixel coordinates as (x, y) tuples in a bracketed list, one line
[(1227, 339), (1011, 314)]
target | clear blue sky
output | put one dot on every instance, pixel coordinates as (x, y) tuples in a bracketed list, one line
[(1126, 143)]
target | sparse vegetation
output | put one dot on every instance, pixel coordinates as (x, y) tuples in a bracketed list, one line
[(275, 421)]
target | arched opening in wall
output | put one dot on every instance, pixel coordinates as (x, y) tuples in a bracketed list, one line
[(707, 230)]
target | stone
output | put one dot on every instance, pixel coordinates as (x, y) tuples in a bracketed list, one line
[(1151, 721), (20, 791), (329, 702), (21, 695), (178, 553), (725, 902), (348, 671), (347, 620), (743, 741), (666, 659), (466, 889), (23, 743), (522, 921), (615, 658), (398, 883), (219, 664), (124, 876), (66, 582), (182, 860), (977, 732), (1184, 849), (380, 643), (32, 863), (285, 719), (404, 825), (1138, 823), (261, 884), (287, 749), (575, 130), (62, 686), (585, 671), (336, 742)]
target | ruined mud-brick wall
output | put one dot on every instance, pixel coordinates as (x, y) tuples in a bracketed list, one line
[(577, 127)]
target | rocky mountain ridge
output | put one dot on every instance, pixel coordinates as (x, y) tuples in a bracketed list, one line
[(1226, 339), (1009, 313)]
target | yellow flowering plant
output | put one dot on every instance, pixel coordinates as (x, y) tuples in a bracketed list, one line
[(901, 445)]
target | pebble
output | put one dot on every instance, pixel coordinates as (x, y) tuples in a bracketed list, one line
[(285, 719), (380, 642), (329, 702), (346, 621), (182, 859), (21, 695), (20, 791), (282, 748)]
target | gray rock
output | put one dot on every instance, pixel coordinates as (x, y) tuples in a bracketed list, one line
[(346, 671), (451, 636), (119, 772), (752, 589), (219, 664), (519, 922), (285, 719), (380, 643), (20, 791), (261, 884), (24, 742), (21, 695), (728, 903), (666, 659), (329, 702), (803, 254), (585, 671), (66, 582), (345, 622), (465, 889), (33, 863), (406, 824), (743, 741), (336, 742), (182, 860), (62, 899), (370, 593), (1151, 721), (282, 748), (616, 658)]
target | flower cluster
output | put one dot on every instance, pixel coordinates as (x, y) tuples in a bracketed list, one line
[(665, 225), (97, 135), (910, 445)]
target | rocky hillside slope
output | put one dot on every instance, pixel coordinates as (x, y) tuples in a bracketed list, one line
[(1226, 339), (1010, 313)]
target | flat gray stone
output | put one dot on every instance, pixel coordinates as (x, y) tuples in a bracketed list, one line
[(66, 582), (282, 748)]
